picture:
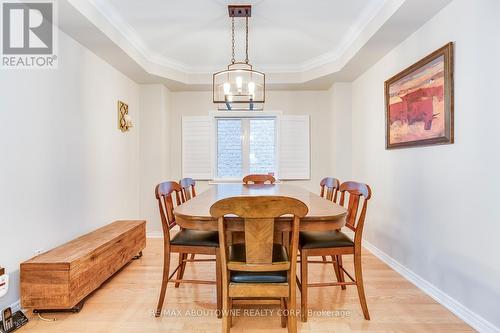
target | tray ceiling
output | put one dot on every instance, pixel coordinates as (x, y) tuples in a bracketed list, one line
[(298, 44), (285, 35)]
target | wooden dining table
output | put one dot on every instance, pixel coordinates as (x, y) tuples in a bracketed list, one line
[(323, 214)]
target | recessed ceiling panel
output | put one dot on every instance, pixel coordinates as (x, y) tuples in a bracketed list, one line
[(284, 34)]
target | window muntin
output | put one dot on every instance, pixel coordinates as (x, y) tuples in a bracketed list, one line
[(244, 146)]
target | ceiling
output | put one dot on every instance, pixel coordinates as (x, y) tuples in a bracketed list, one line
[(285, 35), (298, 44)]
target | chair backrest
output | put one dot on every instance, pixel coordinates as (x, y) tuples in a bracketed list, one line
[(259, 179), (329, 188), (188, 190), (164, 194), (258, 214), (356, 192)]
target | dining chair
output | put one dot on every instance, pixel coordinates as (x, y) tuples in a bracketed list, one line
[(188, 192), (188, 188), (183, 242), (329, 189), (259, 268), (336, 243), (259, 179)]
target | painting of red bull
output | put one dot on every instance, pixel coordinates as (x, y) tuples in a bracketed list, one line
[(419, 102)]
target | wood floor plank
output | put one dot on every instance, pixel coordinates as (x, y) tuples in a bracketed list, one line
[(125, 304)]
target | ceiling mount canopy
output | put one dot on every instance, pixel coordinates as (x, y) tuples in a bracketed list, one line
[(239, 87), (239, 10)]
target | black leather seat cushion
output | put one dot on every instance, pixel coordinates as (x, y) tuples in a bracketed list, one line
[(320, 239), (237, 253), (196, 238)]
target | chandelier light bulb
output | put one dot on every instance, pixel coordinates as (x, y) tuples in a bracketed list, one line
[(251, 88), (227, 88), (239, 83)]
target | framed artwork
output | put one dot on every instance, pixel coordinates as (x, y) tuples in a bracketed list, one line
[(419, 102)]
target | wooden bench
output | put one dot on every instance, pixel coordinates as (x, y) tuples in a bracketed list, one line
[(60, 279)]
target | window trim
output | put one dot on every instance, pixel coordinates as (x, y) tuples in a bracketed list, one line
[(215, 115)]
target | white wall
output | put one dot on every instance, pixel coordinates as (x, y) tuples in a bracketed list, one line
[(65, 167), (340, 135), (313, 103), (434, 208), (154, 149)]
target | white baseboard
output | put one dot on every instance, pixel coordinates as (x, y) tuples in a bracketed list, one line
[(16, 306), (476, 321)]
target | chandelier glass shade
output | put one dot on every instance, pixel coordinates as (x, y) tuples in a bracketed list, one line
[(239, 87)]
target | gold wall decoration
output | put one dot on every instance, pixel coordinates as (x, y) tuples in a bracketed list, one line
[(124, 120)]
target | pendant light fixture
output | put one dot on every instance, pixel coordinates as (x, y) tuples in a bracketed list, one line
[(239, 87)]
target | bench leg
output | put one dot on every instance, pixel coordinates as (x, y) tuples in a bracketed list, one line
[(138, 256), (76, 309)]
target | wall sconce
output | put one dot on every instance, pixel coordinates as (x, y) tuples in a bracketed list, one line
[(124, 120)]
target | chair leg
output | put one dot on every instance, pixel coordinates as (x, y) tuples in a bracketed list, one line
[(226, 319), (336, 268), (292, 314), (283, 312), (182, 268), (341, 272), (303, 286), (359, 285), (292, 292), (192, 256), (230, 313), (324, 258), (164, 283), (218, 282)]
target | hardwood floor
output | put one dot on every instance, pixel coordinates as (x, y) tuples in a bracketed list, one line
[(126, 303)]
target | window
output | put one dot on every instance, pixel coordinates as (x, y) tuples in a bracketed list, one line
[(262, 146), (245, 146), (229, 148), (229, 145)]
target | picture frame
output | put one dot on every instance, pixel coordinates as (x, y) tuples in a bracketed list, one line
[(419, 102)]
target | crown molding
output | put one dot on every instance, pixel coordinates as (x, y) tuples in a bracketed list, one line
[(128, 33), (104, 16), (378, 29), (356, 29)]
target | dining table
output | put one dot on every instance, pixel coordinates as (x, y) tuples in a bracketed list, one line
[(323, 215)]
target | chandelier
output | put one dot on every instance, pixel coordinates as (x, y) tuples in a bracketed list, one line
[(239, 87)]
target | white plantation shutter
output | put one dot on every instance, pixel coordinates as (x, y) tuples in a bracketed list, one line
[(294, 148), (196, 150)]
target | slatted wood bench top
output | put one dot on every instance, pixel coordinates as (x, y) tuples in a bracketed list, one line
[(74, 251), (62, 277)]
